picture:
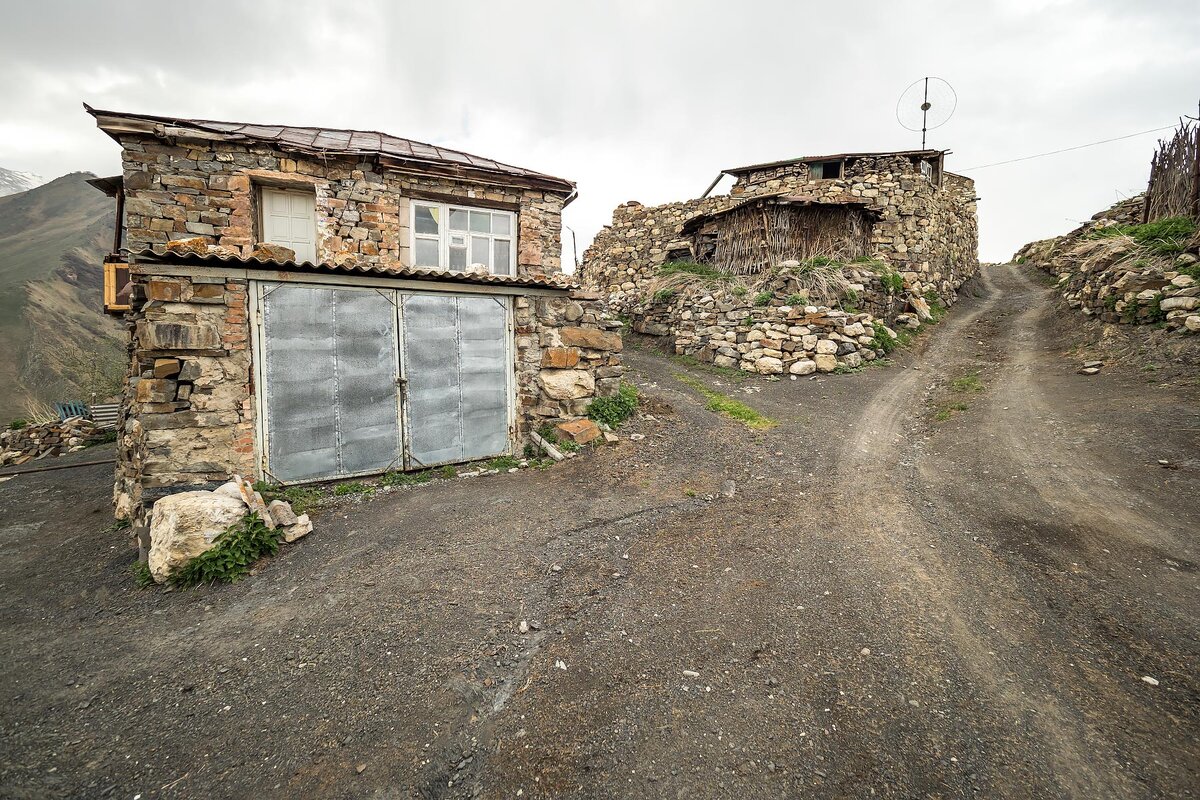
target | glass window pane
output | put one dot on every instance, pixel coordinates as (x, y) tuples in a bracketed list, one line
[(458, 219), (481, 222), (427, 253), (502, 224), (501, 248), (458, 258), (480, 250), (427, 219)]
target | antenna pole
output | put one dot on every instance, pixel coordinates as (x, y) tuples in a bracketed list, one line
[(924, 112)]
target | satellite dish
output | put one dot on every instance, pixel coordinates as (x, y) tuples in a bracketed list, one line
[(927, 104)]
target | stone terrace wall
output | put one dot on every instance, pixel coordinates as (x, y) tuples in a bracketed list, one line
[(1102, 280), (926, 233), (730, 332), (363, 214)]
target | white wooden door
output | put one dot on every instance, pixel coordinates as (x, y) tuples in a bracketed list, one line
[(289, 219)]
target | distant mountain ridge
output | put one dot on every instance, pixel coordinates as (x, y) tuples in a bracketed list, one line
[(12, 181), (56, 342)]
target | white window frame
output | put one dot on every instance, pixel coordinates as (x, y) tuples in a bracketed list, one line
[(309, 197), (444, 236)]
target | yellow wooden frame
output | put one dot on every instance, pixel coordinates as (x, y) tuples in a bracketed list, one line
[(110, 286)]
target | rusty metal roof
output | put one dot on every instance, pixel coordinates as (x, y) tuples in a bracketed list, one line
[(836, 157), (154, 255), (330, 141)]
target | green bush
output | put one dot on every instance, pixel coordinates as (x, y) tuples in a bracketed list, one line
[(882, 340), (762, 299), (17, 424), (740, 291), (449, 471), (612, 411), (664, 295), (234, 552), (892, 281), (796, 300)]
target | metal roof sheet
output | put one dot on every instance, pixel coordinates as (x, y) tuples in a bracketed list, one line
[(347, 142), (358, 268)]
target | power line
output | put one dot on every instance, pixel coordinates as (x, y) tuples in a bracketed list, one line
[(1068, 149)]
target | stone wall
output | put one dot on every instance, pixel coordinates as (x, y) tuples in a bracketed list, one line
[(188, 415), (925, 232), (728, 331), (568, 353), (208, 189), (1118, 281)]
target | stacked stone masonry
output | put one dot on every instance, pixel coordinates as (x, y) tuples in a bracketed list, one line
[(925, 229), (46, 439), (363, 213), (770, 340), (1101, 279)]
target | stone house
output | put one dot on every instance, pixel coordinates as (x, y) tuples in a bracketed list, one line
[(310, 304), (901, 208)]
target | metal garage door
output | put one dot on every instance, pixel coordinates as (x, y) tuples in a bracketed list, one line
[(331, 363), (330, 366), (456, 373)]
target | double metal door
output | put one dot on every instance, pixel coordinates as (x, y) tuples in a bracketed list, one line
[(359, 381)]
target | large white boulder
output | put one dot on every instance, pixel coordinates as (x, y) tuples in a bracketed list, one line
[(184, 525)]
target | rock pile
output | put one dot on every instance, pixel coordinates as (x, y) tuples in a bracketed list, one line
[(184, 525), (47, 439)]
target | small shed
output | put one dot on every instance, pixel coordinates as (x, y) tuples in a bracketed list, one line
[(758, 233)]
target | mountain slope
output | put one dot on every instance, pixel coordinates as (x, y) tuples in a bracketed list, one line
[(57, 344), (12, 181)]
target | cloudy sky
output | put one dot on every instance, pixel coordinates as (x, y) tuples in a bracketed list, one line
[(643, 100)]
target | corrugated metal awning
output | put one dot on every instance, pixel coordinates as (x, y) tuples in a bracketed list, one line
[(149, 255)]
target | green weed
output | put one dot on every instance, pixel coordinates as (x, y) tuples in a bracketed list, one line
[(353, 488), (612, 411), (406, 478), (17, 424), (967, 383), (795, 300), (234, 552), (141, 574), (948, 411), (503, 463), (301, 498), (882, 340), (449, 471), (727, 406), (664, 295), (1163, 237), (762, 299)]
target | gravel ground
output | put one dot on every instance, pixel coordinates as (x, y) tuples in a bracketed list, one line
[(901, 599)]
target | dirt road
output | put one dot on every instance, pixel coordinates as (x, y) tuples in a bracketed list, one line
[(947, 577)]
